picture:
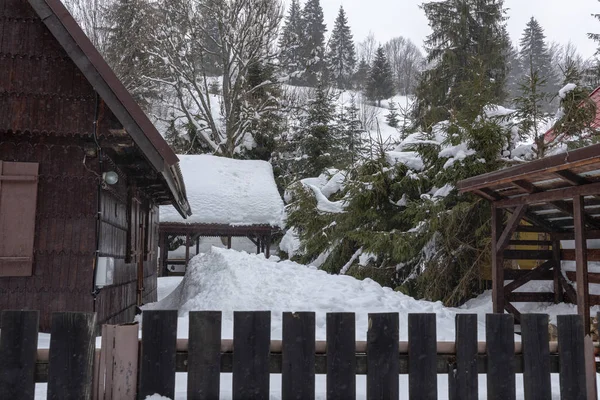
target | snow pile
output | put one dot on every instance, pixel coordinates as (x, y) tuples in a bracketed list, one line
[(227, 280), (227, 191), (456, 153), (323, 187), (409, 158), (290, 243), (569, 87)]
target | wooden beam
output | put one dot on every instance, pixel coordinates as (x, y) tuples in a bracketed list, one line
[(557, 271), (570, 177), (488, 194), (550, 195), (497, 262), (513, 310), (571, 254), (530, 297), (513, 274), (531, 275), (591, 234), (187, 250), (593, 277), (569, 291), (526, 186), (527, 254), (510, 228), (581, 267)]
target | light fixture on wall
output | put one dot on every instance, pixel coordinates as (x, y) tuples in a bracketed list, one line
[(110, 177)]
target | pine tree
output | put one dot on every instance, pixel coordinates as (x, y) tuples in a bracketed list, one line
[(577, 111), (392, 116), (530, 111), (515, 74), (290, 42), (318, 134), (468, 38), (313, 49), (359, 79), (342, 55), (350, 141), (535, 56), (380, 84)]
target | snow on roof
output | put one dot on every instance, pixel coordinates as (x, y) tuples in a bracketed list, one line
[(227, 191)]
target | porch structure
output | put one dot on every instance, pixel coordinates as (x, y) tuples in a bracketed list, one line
[(558, 196)]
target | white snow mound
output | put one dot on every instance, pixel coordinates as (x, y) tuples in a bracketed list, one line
[(229, 281), (227, 191)]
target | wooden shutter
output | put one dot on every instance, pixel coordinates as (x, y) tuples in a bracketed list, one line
[(18, 199)]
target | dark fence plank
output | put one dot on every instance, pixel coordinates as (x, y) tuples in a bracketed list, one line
[(204, 355), (159, 345), (383, 363), (18, 350), (422, 357), (571, 357), (298, 356), (500, 338), (251, 342), (341, 359), (463, 382), (536, 357), (71, 364)]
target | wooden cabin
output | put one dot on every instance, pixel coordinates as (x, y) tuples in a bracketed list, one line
[(231, 199), (558, 196), (82, 173)]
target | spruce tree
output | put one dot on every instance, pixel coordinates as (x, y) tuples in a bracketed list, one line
[(350, 140), (318, 134), (342, 55), (392, 116), (577, 111), (313, 49), (468, 38), (359, 79), (380, 84), (514, 75), (290, 42), (535, 56)]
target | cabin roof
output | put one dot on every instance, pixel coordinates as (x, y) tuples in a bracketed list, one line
[(93, 66), (223, 191)]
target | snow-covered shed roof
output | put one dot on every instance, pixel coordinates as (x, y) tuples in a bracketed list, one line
[(227, 191)]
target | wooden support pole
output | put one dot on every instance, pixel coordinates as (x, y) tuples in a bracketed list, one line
[(581, 267), (557, 269), (161, 244), (257, 244), (198, 245), (497, 262), (229, 242), (187, 250), (165, 254), (268, 246), (511, 227)]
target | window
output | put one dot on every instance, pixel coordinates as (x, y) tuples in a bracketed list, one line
[(18, 199)]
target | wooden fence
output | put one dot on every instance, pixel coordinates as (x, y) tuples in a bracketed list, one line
[(124, 370)]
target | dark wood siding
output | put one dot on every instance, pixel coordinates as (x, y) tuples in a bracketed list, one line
[(47, 113)]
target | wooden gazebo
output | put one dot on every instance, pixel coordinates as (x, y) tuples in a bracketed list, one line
[(558, 196), (229, 198)]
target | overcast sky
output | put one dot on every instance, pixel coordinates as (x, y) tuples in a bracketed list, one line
[(562, 20)]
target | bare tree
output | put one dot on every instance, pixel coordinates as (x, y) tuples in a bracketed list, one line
[(366, 49), (90, 15), (406, 61), (236, 38)]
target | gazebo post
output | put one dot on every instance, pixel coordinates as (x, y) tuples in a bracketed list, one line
[(229, 242), (581, 267), (257, 244), (187, 250), (268, 245), (198, 245), (557, 270), (497, 262), (165, 254)]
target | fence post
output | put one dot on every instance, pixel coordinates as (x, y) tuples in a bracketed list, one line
[(204, 355), (159, 346), (571, 357), (118, 367), (298, 356), (251, 349), (383, 362), (71, 363), (422, 357), (536, 356), (500, 338), (18, 351), (464, 379), (341, 356)]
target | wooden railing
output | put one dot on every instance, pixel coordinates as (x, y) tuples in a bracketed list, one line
[(122, 369)]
